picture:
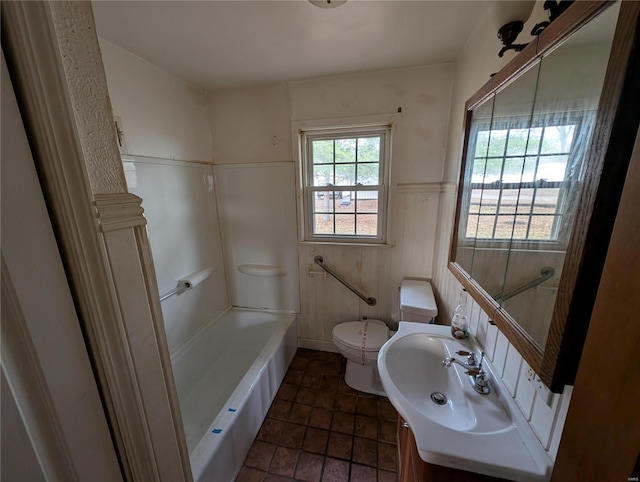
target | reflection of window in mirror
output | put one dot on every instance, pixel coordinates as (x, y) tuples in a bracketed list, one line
[(524, 178)]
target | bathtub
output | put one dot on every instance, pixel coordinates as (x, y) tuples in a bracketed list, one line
[(226, 377)]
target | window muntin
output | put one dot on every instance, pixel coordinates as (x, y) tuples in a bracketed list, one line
[(345, 184), (522, 178)]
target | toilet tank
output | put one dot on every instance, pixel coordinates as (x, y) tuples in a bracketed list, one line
[(417, 302)]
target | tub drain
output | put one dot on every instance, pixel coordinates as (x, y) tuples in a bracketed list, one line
[(438, 398)]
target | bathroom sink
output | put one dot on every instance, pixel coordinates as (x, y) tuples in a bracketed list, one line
[(454, 425)]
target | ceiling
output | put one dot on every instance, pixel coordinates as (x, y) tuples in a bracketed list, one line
[(215, 44)]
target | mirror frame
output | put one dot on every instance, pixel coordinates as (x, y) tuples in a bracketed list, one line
[(617, 121)]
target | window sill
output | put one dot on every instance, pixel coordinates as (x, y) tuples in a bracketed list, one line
[(345, 244)]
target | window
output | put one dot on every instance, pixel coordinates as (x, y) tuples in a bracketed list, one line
[(523, 179), (345, 180)]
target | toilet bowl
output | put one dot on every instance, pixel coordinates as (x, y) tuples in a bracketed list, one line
[(360, 341)]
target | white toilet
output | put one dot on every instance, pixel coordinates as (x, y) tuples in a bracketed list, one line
[(360, 341)]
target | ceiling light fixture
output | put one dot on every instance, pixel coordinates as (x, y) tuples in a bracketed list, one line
[(327, 3), (509, 17)]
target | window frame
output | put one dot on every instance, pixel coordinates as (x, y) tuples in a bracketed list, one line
[(309, 131), (583, 120)]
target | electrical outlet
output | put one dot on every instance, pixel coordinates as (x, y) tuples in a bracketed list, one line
[(541, 389)]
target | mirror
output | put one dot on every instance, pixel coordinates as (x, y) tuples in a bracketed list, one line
[(531, 170)]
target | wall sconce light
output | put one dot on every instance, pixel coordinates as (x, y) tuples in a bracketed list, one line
[(555, 9), (509, 17), (327, 3)]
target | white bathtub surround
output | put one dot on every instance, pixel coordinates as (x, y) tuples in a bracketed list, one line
[(258, 216), (227, 376)]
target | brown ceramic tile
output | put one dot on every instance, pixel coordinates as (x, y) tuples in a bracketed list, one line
[(343, 422), (387, 431), (366, 427), (271, 430), (311, 379), (325, 399), (329, 382), (386, 410), (292, 436), (287, 392), (284, 461), (386, 476), (309, 467), (276, 478), (333, 368), (298, 363), (365, 451), (360, 473), (316, 366), (247, 474), (315, 440), (306, 395), (293, 376), (387, 456), (345, 403), (260, 454), (335, 470), (279, 410), (300, 413), (340, 445), (368, 406), (320, 418), (344, 388)]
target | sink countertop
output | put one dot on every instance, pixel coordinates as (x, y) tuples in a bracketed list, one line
[(486, 434)]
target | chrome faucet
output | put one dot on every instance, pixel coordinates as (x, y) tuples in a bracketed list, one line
[(477, 376)]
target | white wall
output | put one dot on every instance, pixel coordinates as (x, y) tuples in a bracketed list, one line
[(165, 124), (472, 69)]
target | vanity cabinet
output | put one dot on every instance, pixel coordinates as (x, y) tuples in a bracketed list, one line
[(413, 469)]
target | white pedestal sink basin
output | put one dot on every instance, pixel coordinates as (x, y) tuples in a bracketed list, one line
[(486, 434)]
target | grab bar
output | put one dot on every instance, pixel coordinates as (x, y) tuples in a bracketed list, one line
[(319, 261), (545, 273), (181, 288)]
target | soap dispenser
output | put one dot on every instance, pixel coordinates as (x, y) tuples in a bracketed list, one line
[(460, 320)]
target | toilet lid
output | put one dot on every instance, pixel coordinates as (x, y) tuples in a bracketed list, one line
[(362, 335)]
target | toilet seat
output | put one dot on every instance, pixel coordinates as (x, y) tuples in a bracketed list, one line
[(360, 341)]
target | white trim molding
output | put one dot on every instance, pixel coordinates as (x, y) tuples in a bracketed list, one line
[(54, 60)]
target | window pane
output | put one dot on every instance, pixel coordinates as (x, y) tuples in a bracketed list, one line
[(557, 139), (497, 142), (367, 201), (552, 168), (504, 227), (524, 201), (493, 170), (322, 151), (541, 227), (479, 165), (345, 150), (529, 170), (369, 149), (489, 204), (367, 225), (345, 224), (369, 174), (323, 224), (485, 227), (474, 202), (517, 144), (482, 143), (323, 175), (472, 225), (345, 174), (345, 202), (520, 228), (508, 201), (546, 201), (324, 202), (534, 140), (513, 169)]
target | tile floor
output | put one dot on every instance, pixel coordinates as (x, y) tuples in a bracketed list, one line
[(319, 429)]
